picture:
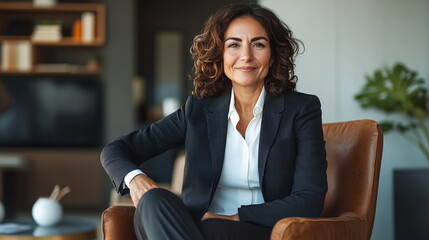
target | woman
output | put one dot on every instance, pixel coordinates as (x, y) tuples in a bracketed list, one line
[(254, 146)]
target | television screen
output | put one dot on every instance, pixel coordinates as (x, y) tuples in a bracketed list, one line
[(52, 113)]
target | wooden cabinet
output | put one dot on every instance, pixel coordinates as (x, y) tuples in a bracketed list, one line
[(63, 39), (78, 168)]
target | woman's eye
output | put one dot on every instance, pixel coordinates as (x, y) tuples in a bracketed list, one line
[(259, 45), (233, 45)]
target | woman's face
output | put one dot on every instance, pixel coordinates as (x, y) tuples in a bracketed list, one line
[(247, 53)]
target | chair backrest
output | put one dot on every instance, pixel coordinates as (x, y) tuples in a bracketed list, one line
[(354, 152)]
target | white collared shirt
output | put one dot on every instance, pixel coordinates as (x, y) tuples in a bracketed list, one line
[(239, 180)]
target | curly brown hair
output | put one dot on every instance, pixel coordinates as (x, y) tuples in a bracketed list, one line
[(207, 50)]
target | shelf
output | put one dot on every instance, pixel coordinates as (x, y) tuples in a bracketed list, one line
[(14, 38), (65, 42), (33, 73), (80, 71), (59, 9), (19, 21), (69, 42), (66, 7)]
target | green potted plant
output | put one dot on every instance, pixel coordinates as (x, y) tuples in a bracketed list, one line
[(401, 94), (399, 91)]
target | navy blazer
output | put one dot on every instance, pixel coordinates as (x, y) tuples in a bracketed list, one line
[(292, 158)]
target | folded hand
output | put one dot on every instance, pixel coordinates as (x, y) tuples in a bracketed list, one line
[(209, 215), (139, 185)]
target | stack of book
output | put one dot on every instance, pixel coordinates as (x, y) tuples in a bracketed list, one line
[(55, 67), (16, 56), (47, 33)]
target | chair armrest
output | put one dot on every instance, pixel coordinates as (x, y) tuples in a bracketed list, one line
[(118, 223), (346, 226)]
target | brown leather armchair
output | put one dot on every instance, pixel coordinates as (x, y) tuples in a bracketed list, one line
[(354, 152)]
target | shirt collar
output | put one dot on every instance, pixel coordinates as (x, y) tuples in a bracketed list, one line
[(257, 109)]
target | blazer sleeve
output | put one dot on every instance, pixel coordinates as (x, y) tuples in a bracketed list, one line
[(128, 152), (309, 177)]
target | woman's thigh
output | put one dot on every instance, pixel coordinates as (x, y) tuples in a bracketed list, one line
[(221, 229), (161, 214)]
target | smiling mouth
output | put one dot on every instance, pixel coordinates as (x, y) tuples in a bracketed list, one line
[(246, 69)]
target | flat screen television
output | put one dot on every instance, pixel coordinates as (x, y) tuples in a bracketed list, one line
[(48, 112)]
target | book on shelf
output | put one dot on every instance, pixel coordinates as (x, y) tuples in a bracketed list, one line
[(47, 33), (53, 67), (48, 28), (77, 30), (60, 68), (16, 56), (24, 56), (88, 27), (5, 52)]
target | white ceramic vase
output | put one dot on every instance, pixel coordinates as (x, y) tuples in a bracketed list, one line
[(47, 212)]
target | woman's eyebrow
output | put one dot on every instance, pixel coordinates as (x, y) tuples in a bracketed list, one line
[(251, 40), (258, 38), (234, 39)]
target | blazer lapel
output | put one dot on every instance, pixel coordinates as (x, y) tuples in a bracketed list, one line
[(217, 124), (271, 116)]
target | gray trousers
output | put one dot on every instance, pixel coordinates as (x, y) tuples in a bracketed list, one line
[(161, 215)]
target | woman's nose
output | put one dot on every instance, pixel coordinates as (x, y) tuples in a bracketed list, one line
[(246, 54)]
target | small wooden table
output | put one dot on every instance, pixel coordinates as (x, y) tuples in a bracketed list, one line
[(67, 229)]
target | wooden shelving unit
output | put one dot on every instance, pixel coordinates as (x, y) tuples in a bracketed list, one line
[(66, 58), (18, 21)]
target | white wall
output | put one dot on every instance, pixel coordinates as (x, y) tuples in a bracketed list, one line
[(344, 41)]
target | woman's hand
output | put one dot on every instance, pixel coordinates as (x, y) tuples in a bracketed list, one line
[(139, 185), (209, 215)]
